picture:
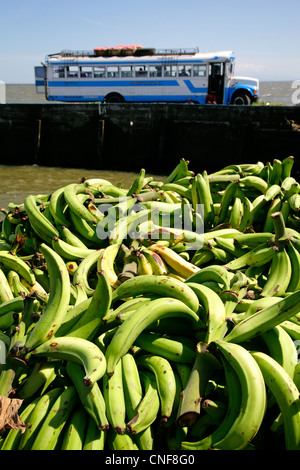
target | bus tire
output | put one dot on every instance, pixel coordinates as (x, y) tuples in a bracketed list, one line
[(241, 98), (114, 98)]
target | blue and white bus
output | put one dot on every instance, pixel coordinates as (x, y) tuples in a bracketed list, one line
[(140, 75)]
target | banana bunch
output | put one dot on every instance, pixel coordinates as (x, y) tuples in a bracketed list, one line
[(162, 316)]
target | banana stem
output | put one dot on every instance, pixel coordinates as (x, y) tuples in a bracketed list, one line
[(279, 226)]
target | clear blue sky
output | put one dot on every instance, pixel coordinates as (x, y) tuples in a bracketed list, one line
[(264, 34)]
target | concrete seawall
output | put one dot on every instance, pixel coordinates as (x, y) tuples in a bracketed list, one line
[(128, 137)]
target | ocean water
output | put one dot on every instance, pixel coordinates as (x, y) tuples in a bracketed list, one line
[(277, 92)]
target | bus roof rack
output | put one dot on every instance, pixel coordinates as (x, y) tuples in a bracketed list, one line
[(185, 51)]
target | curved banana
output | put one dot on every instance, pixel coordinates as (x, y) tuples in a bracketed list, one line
[(71, 192), (214, 272), (265, 319), (94, 437), (214, 309), (58, 301), (294, 256), (165, 380), (133, 391), (87, 230), (16, 263), (58, 207), (120, 442), (279, 275), (253, 397), (85, 268), (180, 171), (164, 286), (91, 398), (254, 182), (74, 432), (87, 325), (37, 218), (137, 184), (68, 251), (181, 266), (258, 256), (56, 420), (286, 393), (128, 331), (77, 350), (148, 408), (113, 392), (281, 348), (170, 347), (40, 378), (144, 265), (37, 416), (106, 263)]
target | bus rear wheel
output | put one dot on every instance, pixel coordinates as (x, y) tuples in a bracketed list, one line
[(114, 98), (241, 98)]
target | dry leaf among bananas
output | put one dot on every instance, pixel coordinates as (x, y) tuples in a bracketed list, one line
[(9, 418)]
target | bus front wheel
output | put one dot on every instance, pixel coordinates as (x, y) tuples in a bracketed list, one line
[(241, 98), (114, 98)]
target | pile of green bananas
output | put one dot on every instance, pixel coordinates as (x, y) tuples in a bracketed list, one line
[(122, 330)]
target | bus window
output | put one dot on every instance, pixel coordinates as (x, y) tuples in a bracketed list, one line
[(141, 71), (126, 71), (59, 72), (170, 70), (72, 71), (184, 70), (199, 70), (99, 72), (155, 70), (86, 72), (113, 71)]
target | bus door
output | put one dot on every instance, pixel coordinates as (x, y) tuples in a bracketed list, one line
[(216, 81)]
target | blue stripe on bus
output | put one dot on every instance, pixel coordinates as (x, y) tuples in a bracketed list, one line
[(113, 83), (142, 98), (192, 88)]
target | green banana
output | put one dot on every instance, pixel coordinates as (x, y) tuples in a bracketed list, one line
[(162, 285), (68, 251), (41, 376), (286, 393), (149, 406), (91, 398), (78, 350), (94, 437), (74, 432), (37, 416), (203, 369), (165, 379), (58, 207), (55, 420), (71, 192), (58, 301), (214, 309), (15, 263), (282, 348), (113, 392), (173, 348), (265, 319), (279, 275), (13, 437), (217, 273), (88, 323), (137, 184), (38, 219), (136, 323)]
